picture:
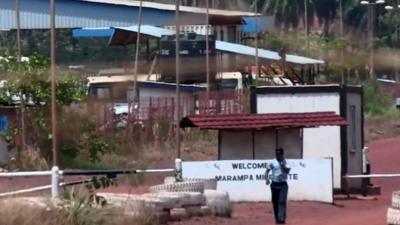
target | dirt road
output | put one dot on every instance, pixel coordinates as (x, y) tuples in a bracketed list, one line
[(384, 157)]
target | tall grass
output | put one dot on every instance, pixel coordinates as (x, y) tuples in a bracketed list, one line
[(377, 103), (382, 117), (73, 213)]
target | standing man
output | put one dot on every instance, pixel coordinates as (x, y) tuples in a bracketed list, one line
[(279, 188)]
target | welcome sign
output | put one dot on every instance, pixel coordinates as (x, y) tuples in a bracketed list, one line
[(244, 180)]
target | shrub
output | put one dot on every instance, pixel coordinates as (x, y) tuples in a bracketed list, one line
[(376, 103)]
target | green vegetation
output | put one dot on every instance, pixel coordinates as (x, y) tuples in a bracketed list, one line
[(75, 209), (377, 104), (28, 85)]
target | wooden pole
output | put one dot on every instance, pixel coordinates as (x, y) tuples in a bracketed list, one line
[(139, 24), (256, 40), (207, 48), (341, 49), (306, 24), (19, 58), (177, 73), (18, 22), (371, 17), (53, 82)]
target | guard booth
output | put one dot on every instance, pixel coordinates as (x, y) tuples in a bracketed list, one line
[(247, 143), (344, 144)]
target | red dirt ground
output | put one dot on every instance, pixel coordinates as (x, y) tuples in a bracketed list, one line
[(385, 158)]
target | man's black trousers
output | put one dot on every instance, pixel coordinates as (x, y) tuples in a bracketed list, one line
[(279, 193)]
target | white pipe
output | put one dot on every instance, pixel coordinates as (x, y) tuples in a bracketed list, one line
[(26, 174), (55, 182), (55, 179), (29, 190), (373, 176), (60, 172), (24, 191), (155, 170)]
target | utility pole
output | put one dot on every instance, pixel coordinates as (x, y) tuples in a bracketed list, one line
[(139, 24), (207, 50), (19, 58), (343, 79), (177, 79), (306, 24), (371, 31), (53, 82), (256, 44), (18, 22)]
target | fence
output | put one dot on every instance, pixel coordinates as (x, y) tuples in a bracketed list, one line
[(155, 116), (56, 174)]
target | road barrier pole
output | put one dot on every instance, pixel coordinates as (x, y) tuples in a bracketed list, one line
[(178, 170), (55, 182)]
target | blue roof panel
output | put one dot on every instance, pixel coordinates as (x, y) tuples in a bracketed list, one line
[(262, 53), (148, 30), (245, 50), (258, 23), (92, 32)]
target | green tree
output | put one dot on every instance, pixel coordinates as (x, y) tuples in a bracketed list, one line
[(355, 14), (389, 27), (27, 84), (326, 11)]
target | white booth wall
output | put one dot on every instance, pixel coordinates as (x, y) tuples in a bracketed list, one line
[(321, 142)]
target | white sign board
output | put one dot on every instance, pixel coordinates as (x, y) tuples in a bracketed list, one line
[(244, 180)]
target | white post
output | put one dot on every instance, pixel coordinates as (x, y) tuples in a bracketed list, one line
[(178, 170), (365, 160), (55, 182)]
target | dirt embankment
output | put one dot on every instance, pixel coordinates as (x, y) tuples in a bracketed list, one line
[(381, 128)]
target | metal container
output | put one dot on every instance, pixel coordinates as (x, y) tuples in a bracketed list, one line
[(192, 58)]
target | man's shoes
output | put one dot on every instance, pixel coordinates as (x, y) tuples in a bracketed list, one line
[(280, 222)]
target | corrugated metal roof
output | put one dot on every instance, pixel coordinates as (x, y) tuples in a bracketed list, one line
[(264, 121), (148, 30), (262, 53), (245, 50), (92, 32), (302, 60), (127, 35), (142, 82), (105, 13), (170, 7), (69, 14)]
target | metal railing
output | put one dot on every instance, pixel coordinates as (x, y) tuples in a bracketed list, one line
[(358, 176), (56, 174)]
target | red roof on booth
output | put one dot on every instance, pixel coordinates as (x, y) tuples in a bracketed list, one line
[(263, 121)]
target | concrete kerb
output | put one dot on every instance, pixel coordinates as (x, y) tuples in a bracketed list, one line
[(179, 205)]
